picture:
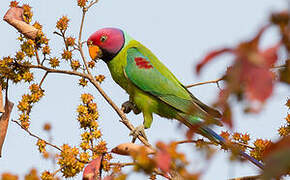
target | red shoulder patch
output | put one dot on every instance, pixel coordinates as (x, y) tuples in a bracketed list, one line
[(142, 63)]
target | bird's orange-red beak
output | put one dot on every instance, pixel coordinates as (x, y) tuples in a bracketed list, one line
[(94, 51)]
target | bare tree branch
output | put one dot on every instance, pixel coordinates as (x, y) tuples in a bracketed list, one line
[(37, 137)]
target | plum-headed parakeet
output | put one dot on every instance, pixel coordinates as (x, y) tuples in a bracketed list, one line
[(151, 86)]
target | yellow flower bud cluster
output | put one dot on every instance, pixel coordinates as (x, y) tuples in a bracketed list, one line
[(87, 112), (54, 62), (238, 139), (87, 117), (9, 69), (75, 65), (106, 161), (41, 146), (27, 76), (27, 14), (285, 130), (41, 39), (68, 161), (91, 64), (20, 55), (100, 148), (260, 147), (28, 47), (25, 105), (85, 156), (82, 3), (13, 4), (100, 78), (67, 55), (45, 50), (37, 25), (70, 41), (83, 82), (46, 175), (62, 23)]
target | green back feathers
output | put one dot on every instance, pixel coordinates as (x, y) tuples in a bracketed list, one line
[(146, 72)]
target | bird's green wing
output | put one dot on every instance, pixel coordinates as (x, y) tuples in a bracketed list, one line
[(150, 75)]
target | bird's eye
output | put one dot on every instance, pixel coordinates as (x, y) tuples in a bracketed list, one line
[(103, 38)]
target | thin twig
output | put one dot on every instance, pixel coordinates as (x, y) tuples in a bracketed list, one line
[(80, 45), (156, 171), (192, 141), (56, 70), (37, 137), (91, 141), (46, 73), (206, 82), (57, 33), (44, 59), (91, 4), (122, 164), (37, 56), (64, 40), (55, 172), (245, 145)]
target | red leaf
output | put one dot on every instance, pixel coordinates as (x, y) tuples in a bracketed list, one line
[(93, 169), (163, 160), (210, 56), (227, 115), (258, 81), (270, 55), (254, 42), (162, 157)]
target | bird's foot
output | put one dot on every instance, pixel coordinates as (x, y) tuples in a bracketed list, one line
[(138, 131), (128, 106)]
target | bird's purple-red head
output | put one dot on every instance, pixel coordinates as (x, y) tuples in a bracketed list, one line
[(105, 43)]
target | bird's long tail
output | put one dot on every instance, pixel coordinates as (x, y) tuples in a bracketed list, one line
[(209, 133)]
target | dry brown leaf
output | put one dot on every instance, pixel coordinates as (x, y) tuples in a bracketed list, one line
[(14, 16), (1, 101), (127, 148), (4, 119)]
